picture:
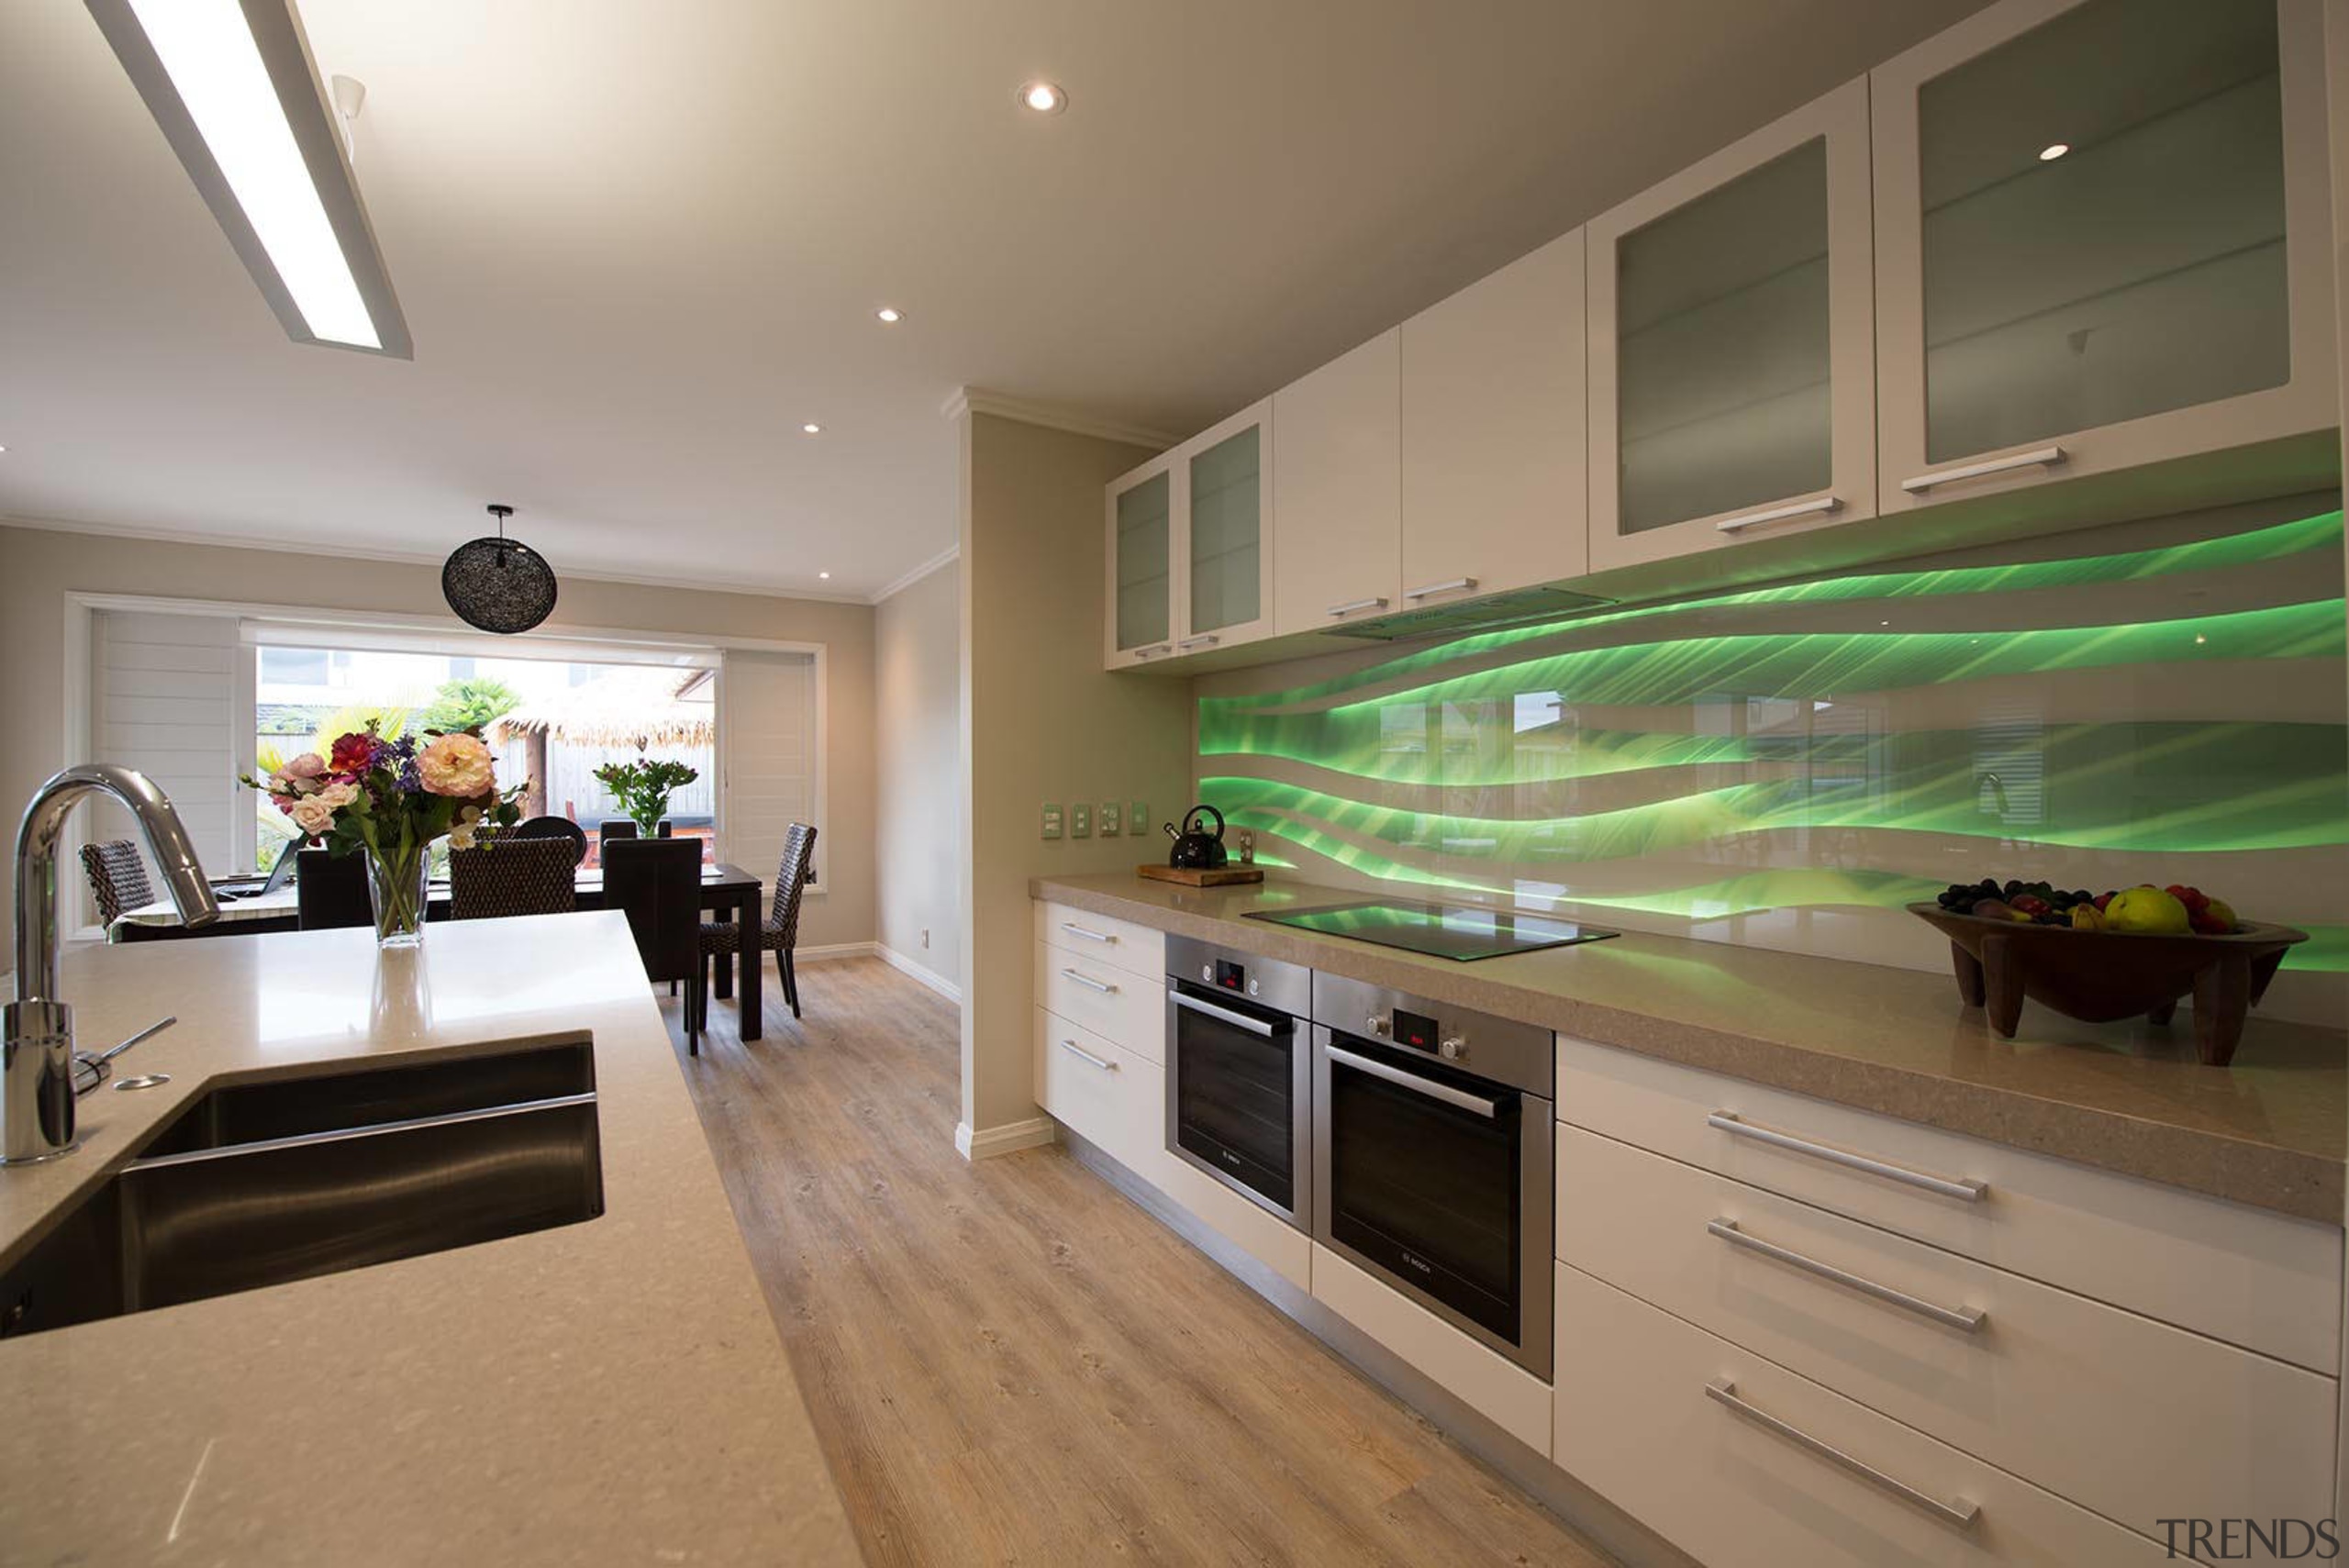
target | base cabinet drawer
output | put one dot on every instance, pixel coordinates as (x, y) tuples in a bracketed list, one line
[(1116, 1004), (2130, 1417), (1106, 1093), (1504, 1393), (1102, 939), (2249, 1277), (1639, 1421)]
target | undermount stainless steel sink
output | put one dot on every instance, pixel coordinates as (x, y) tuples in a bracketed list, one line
[(259, 1184)]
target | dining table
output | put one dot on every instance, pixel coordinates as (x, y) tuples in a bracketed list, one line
[(726, 891)]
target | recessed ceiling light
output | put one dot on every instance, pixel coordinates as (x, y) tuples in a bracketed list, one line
[(1044, 97), (236, 95), (811, 430), (825, 575), (890, 313), (2052, 151)]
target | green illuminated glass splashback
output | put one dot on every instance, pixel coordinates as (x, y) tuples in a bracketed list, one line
[(1788, 765)]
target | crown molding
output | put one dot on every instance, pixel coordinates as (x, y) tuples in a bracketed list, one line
[(896, 585), (1052, 416), (753, 588)]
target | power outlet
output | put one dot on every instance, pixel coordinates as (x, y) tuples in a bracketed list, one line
[(1110, 825), (1080, 821), (924, 936), (1051, 820)]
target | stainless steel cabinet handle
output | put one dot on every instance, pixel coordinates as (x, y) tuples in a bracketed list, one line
[(2041, 457), (1089, 983), (1206, 640), (1153, 650), (1737, 1126), (1458, 585), (1074, 929), (1969, 1318), (1824, 505), (1417, 1084), (1237, 1020), (1353, 604), (1960, 1513), (1075, 1050)]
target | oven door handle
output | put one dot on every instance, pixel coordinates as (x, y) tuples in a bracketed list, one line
[(1483, 1107), (1237, 1020)]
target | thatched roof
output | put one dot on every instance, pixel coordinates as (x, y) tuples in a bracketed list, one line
[(621, 708)]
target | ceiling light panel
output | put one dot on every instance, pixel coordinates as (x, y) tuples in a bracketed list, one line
[(234, 89)]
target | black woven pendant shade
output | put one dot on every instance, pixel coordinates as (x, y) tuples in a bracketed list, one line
[(498, 584)]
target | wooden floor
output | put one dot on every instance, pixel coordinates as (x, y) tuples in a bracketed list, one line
[(1007, 1363)]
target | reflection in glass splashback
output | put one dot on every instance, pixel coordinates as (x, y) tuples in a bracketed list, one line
[(1788, 765)]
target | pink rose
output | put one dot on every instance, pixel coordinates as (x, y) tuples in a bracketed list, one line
[(312, 814), (308, 766), (337, 794), (457, 765)]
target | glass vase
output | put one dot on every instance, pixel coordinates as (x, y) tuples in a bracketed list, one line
[(397, 880)]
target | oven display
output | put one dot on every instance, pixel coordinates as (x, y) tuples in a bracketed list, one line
[(1230, 975), (1411, 1029)]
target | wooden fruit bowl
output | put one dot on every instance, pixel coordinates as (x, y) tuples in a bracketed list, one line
[(2098, 976)]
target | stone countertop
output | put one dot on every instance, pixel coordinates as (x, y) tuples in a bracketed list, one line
[(613, 1391), (2270, 1130)]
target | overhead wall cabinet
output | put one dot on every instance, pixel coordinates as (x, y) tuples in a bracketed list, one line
[(1732, 377), (2102, 240), (1338, 491), (1189, 546), (1492, 432), (1141, 565)]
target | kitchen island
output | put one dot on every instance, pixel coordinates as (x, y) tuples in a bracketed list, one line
[(610, 1391)]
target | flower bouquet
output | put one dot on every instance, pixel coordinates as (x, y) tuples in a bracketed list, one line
[(391, 798), (643, 788)]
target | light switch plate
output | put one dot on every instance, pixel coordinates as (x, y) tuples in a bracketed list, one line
[(1051, 820), (1080, 821), (1137, 817), (1108, 818)]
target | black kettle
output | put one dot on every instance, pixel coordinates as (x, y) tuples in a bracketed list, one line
[(1196, 849)]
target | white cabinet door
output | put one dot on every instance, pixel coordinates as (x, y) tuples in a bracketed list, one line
[(1223, 504), (1494, 495), (2102, 240), (1338, 491), (1732, 344), (1140, 586)]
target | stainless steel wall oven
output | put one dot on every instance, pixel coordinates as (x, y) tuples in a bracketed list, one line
[(1239, 1073)]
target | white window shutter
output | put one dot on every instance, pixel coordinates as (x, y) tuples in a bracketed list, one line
[(766, 744), (171, 697)]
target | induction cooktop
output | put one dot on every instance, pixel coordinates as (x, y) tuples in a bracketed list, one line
[(1464, 932)]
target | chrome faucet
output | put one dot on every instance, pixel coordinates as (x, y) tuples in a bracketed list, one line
[(37, 1059)]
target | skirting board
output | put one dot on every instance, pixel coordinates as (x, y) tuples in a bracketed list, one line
[(923, 972), (1631, 1542), (838, 950), (1011, 1137)]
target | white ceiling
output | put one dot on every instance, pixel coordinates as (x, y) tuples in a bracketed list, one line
[(638, 244)]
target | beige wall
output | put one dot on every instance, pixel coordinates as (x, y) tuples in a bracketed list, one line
[(917, 848), (38, 567), (1041, 721)]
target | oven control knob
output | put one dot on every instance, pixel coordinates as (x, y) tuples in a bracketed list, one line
[(1454, 1049), (1254, 987), (1376, 1024), (1207, 972)]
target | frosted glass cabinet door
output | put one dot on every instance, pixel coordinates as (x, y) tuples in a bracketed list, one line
[(1140, 541), (2102, 240), (1227, 502), (1732, 345)]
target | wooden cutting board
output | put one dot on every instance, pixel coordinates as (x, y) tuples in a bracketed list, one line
[(1190, 877)]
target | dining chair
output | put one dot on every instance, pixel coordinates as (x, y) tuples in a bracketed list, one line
[(117, 876), (656, 883), (561, 828), (330, 893), (505, 877), (780, 933)]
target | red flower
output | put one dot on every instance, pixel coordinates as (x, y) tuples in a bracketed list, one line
[(354, 753)]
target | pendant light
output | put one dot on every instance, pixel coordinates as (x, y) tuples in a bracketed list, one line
[(498, 584)]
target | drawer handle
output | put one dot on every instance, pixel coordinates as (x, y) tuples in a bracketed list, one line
[(1074, 929), (1350, 605), (2041, 457), (1456, 585), (1971, 1191), (1969, 1318), (1962, 1513), (1823, 506), (1075, 1050), (1089, 983)]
